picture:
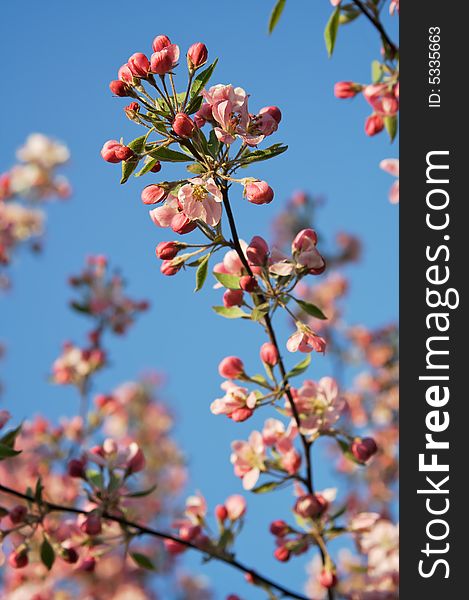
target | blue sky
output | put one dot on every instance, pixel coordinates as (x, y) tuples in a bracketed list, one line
[(59, 60)]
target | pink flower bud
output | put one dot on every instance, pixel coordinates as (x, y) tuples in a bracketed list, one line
[(18, 559), (139, 65), (136, 460), (235, 506), (221, 513), (257, 251), (160, 42), (156, 167), (327, 578), (131, 110), (373, 125), (76, 468), (123, 153), (168, 250), (304, 240), (248, 283), (88, 564), (197, 56), (120, 88), (108, 151), (279, 528), (152, 194), (125, 74), (183, 125), (269, 354), (233, 298), (173, 547), (363, 448), (92, 525), (241, 414), (69, 555), (310, 506), (231, 367), (347, 89), (181, 224), (163, 61), (233, 597), (18, 514), (169, 268), (282, 554), (5, 416), (259, 192), (273, 111)]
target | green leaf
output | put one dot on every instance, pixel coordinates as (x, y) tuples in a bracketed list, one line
[(142, 493), (142, 561), (138, 144), (229, 281), (198, 85), (201, 274), (348, 15), (260, 311), (10, 436), (196, 168), (95, 477), (311, 309), (376, 71), (391, 126), (128, 167), (47, 554), (299, 368), (81, 308), (276, 14), (213, 143), (168, 155), (330, 32), (148, 166), (194, 105), (7, 452), (258, 155), (234, 312), (269, 486), (259, 379), (38, 491)]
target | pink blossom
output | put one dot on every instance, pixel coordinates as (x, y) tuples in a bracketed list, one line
[(318, 404), (5, 416), (197, 56), (164, 60), (269, 354), (160, 42), (231, 367), (139, 65), (258, 192), (391, 166), (196, 507), (201, 199), (305, 340), (235, 507), (237, 403), (248, 459)]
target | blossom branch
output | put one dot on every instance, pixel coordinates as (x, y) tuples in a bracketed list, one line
[(145, 530), (377, 24)]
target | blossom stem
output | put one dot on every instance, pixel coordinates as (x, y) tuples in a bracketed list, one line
[(377, 24), (144, 530)]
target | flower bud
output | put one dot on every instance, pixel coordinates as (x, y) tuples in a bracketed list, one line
[(169, 267), (183, 125), (181, 224), (257, 251), (258, 192), (241, 414), (279, 528), (88, 564), (18, 559), (310, 506), (18, 513), (282, 554), (168, 250), (236, 507), (248, 283), (120, 88), (69, 555), (125, 74), (152, 194), (162, 61), (92, 524), (136, 460), (363, 448), (347, 89), (196, 56), (108, 151), (160, 42), (304, 240), (131, 110), (76, 468), (221, 513), (233, 298), (173, 547), (373, 125), (139, 65), (156, 167), (273, 111), (123, 153), (231, 367), (327, 578), (269, 354)]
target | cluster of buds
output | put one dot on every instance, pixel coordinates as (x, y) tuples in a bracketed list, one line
[(103, 298), (75, 365)]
